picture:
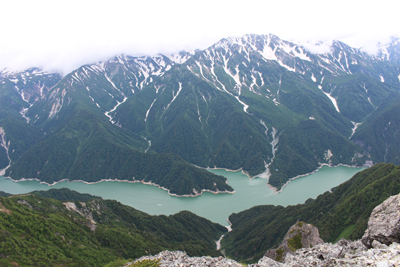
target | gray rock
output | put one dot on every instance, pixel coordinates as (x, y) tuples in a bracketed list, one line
[(384, 223), (266, 261), (300, 235), (345, 253), (180, 258), (326, 254)]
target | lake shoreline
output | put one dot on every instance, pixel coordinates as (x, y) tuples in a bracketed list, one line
[(265, 175), (321, 165), (215, 207), (122, 181), (261, 175)]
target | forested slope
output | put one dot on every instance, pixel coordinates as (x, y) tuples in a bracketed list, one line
[(38, 231), (341, 213)]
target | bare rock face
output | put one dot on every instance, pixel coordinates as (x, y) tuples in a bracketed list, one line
[(300, 235), (384, 223), (345, 253), (326, 254)]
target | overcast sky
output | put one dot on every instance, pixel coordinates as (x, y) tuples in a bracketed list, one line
[(63, 35)]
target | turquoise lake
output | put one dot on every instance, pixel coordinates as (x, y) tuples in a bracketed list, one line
[(215, 207)]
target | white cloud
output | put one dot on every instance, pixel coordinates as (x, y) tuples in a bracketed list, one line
[(63, 35)]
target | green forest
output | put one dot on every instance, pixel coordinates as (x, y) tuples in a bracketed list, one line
[(41, 231), (342, 213)]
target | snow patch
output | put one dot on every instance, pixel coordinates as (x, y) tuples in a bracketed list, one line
[(333, 100), (107, 113), (313, 78), (6, 146), (174, 96), (268, 53), (234, 77), (149, 141), (262, 80), (58, 104), (179, 58), (286, 66), (274, 144), (201, 70), (291, 50), (23, 112), (356, 124), (253, 83), (147, 113), (265, 126)]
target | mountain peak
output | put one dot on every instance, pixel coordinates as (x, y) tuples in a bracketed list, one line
[(181, 56)]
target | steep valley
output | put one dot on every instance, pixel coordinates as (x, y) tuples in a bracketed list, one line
[(269, 109)]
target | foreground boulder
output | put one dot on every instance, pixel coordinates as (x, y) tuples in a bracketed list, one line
[(300, 235), (384, 223)]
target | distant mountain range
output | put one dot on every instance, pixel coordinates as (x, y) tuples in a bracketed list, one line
[(256, 103)]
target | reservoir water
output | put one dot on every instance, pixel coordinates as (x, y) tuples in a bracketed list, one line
[(215, 207)]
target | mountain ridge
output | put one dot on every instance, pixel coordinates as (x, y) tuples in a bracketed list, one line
[(239, 104)]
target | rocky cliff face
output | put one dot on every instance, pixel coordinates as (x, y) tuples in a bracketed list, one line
[(384, 223)]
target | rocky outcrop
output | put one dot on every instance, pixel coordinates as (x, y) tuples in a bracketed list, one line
[(384, 223), (300, 235), (326, 254), (84, 211), (180, 258), (345, 253)]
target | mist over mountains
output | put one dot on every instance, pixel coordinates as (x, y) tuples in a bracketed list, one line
[(256, 103)]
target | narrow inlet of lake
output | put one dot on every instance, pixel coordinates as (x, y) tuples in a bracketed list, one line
[(215, 207)]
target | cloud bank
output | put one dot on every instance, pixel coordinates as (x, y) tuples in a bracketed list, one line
[(63, 35)]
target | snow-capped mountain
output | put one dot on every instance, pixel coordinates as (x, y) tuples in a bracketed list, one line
[(256, 103), (390, 51)]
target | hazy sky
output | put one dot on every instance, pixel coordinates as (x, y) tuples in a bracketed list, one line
[(63, 35)]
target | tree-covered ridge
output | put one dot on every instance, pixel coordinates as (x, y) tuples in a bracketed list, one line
[(40, 231), (4, 194), (344, 212), (304, 147), (85, 147), (64, 194), (379, 134), (205, 126)]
